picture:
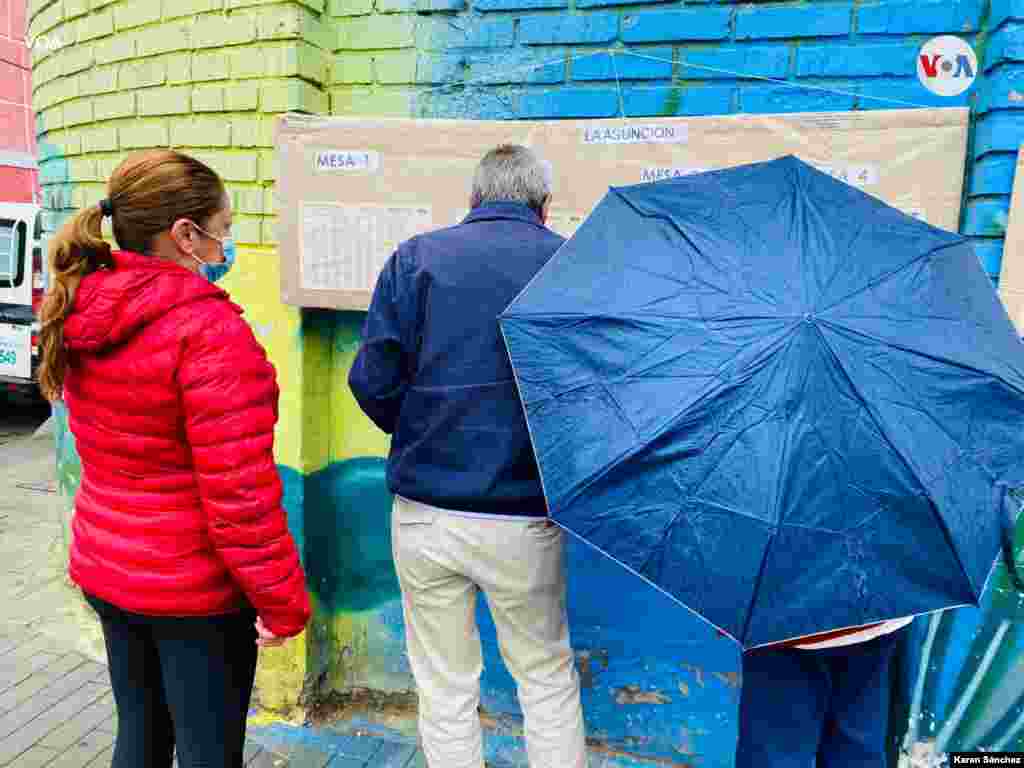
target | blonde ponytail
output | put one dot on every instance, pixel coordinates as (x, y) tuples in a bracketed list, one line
[(78, 250)]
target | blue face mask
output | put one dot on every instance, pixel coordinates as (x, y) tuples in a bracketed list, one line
[(215, 272)]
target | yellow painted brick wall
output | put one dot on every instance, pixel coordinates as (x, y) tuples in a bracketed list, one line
[(203, 76), (206, 77)]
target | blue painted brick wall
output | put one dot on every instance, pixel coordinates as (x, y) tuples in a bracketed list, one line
[(660, 26), (582, 29), (537, 59), (795, 20), (649, 64), (997, 103), (932, 17), (699, 57)]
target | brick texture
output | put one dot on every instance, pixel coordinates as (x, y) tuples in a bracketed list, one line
[(203, 75), (210, 75)]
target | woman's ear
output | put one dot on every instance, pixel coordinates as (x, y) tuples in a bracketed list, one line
[(183, 236)]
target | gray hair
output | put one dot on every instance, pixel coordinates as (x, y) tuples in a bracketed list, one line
[(512, 173)]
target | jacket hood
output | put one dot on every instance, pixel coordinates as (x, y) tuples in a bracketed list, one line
[(112, 305)]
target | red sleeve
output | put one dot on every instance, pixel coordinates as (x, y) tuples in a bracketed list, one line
[(229, 396)]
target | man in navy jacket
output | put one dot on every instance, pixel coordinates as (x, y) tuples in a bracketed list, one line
[(469, 510)]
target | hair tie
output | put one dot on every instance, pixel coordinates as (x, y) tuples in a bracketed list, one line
[(106, 208)]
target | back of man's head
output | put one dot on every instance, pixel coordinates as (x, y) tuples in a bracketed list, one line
[(512, 173)]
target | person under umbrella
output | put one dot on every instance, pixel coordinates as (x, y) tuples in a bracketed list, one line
[(789, 406)]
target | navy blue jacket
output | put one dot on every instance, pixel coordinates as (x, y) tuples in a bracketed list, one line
[(433, 370)]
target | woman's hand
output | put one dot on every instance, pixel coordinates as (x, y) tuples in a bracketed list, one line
[(266, 638)]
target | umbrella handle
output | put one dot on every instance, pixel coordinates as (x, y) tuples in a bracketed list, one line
[(1009, 519)]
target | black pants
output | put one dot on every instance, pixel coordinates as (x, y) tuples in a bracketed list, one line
[(827, 708), (182, 682)]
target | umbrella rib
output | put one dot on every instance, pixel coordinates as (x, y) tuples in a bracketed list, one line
[(947, 535), (661, 216), (953, 363), (919, 353), (838, 270), (624, 456), (786, 448), (758, 359), (651, 583), (634, 370), (697, 487), (645, 315), (938, 425), (618, 407), (890, 274), (757, 586)]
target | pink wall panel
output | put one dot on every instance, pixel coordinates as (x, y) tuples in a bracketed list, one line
[(17, 123), (12, 83), (19, 17)]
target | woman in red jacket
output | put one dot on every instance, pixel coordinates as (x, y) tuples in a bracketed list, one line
[(179, 540)]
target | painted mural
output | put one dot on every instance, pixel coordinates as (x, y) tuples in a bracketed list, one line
[(659, 686), (658, 683), (963, 678)]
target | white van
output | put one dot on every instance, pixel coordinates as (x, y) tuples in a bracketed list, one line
[(22, 282)]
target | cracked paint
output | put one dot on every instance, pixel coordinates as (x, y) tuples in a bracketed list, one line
[(632, 694), (697, 672), (731, 679), (585, 663)]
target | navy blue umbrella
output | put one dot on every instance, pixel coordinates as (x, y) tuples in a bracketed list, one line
[(788, 405)]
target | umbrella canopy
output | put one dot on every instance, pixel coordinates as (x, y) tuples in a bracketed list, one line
[(788, 405)]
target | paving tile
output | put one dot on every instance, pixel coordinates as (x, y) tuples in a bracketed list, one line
[(83, 750), (55, 693), (38, 644), (14, 668), (102, 760), (35, 757), (251, 750), (267, 759), (393, 754), (300, 756), (30, 686), (83, 723), (7, 645), (33, 731), (340, 761), (359, 747), (30, 586)]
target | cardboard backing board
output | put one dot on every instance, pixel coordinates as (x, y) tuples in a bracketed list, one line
[(1011, 272), (1013, 303), (350, 189)]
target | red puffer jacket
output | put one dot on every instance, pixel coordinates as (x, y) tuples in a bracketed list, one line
[(173, 403)]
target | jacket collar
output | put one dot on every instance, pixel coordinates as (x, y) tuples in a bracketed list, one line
[(112, 305), (504, 210)]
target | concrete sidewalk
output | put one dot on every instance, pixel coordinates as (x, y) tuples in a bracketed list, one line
[(56, 707)]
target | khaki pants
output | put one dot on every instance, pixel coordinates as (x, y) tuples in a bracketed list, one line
[(442, 559)]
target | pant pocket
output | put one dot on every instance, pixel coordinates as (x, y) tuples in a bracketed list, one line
[(409, 513), (543, 528)]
